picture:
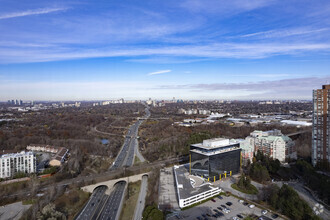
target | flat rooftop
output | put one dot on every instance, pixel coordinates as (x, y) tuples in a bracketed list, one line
[(13, 155), (215, 143), (187, 185), (216, 146)]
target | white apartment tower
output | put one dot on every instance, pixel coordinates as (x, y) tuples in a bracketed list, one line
[(10, 164)]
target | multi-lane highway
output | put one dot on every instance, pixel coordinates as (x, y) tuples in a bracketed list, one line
[(96, 200), (108, 207), (111, 209), (126, 155)]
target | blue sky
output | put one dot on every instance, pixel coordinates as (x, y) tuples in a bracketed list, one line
[(188, 49)]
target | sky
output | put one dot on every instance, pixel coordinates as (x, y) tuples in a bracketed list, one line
[(187, 49)]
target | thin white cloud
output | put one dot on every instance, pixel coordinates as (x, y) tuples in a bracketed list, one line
[(159, 72), (230, 50), (284, 33), (30, 12)]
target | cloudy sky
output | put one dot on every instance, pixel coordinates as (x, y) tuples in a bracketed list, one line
[(188, 49)]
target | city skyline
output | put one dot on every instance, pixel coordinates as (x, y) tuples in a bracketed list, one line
[(237, 50)]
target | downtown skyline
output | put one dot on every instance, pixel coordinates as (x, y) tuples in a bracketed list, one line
[(196, 49)]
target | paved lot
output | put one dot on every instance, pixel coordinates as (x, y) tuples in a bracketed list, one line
[(167, 198), (207, 208), (13, 211)]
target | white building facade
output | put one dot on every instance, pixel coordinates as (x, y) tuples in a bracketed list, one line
[(272, 143), (10, 164)]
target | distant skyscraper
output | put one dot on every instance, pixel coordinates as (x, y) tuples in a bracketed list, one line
[(321, 125)]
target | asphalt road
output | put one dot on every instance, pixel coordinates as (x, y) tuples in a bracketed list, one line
[(125, 158), (112, 205), (141, 201), (95, 201)]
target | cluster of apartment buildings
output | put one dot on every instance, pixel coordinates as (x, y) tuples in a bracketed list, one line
[(194, 111), (25, 161)]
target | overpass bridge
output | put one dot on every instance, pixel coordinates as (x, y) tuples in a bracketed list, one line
[(111, 183)]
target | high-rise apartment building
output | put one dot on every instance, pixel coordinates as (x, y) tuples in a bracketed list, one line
[(321, 122), (10, 164)]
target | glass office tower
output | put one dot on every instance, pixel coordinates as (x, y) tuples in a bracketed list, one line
[(214, 157)]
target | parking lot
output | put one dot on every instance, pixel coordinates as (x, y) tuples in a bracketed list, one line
[(206, 210)]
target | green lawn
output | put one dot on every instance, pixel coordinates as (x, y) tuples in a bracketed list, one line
[(253, 190)]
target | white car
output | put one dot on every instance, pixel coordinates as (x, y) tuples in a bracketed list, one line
[(264, 212), (251, 206), (240, 201)]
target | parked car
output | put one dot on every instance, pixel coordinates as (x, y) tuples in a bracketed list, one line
[(223, 206), (219, 208), (251, 206), (264, 212), (220, 197), (212, 200), (274, 216), (240, 216), (229, 203), (245, 203), (240, 201)]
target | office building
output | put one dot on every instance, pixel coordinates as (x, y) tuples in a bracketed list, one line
[(192, 189), (10, 164), (215, 157), (320, 132)]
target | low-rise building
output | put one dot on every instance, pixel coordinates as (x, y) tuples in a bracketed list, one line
[(60, 152), (192, 189), (23, 162)]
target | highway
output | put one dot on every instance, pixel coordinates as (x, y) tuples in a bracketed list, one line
[(96, 200), (141, 201), (113, 203), (110, 207), (126, 155)]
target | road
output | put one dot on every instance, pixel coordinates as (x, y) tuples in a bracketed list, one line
[(125, 158), (126, 155), (141, 201), (96, 200), (113, 203)]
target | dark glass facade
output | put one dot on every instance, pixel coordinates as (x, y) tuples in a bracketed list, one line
[(216, 164)]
